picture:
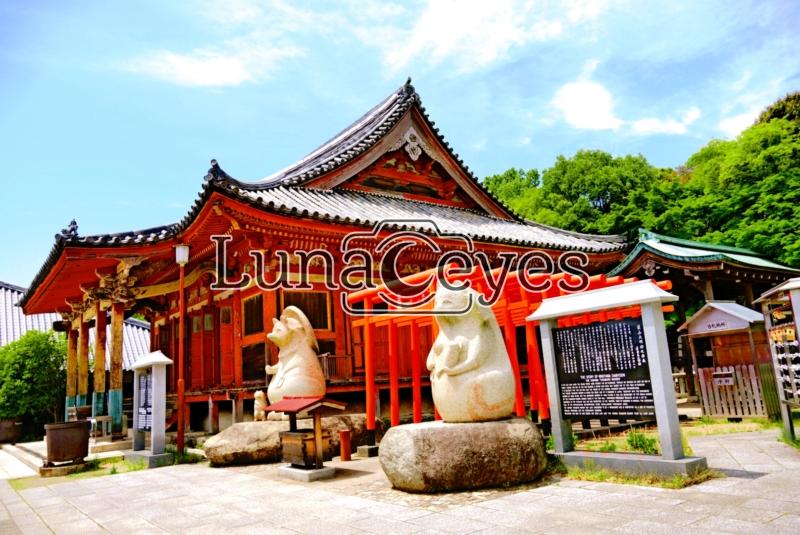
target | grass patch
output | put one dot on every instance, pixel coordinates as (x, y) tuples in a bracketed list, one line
[(183, 457), (590, 472)]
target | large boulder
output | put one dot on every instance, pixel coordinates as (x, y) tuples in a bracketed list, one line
[(441, 456), (259, 442)]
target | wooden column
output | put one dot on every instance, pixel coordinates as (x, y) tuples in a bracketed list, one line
[(72, 371), (237, 338), (83, 364), (536, 379), (98, 397), (416, 375), (369, 373), (511, 346), (115, 370), (394, 372)]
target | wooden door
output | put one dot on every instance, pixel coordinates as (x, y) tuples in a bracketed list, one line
[(226, 361), (196, 324), (381, 353), (210, 348)]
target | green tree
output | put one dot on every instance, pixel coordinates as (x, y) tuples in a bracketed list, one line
[(590, 192), (787, 108), (33, 379)]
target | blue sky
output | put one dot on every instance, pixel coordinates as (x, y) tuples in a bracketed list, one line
[(110, 111)]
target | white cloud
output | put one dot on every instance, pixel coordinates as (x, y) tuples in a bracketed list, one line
[(669, 126), (733, 126), (586, 104), (739, 84)]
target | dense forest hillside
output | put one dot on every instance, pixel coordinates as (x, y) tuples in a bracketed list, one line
[(743, 192)]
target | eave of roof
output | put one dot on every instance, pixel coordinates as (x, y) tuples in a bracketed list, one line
[(697, 255)]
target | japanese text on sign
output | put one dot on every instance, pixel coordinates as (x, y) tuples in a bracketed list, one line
[(603, 370)]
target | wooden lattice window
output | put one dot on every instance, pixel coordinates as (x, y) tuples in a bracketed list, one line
[(253, 315), (196, 324), (315, 305), (225, 317), (208, 322)]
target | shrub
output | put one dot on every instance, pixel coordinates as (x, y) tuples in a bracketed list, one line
[(33, 380)]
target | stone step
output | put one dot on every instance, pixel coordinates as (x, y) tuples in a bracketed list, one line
[(29, 458)]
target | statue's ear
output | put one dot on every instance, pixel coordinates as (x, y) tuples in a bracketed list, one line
[(293, 324)]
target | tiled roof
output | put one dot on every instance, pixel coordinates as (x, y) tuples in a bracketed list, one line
[(13, 324), (347, 206)]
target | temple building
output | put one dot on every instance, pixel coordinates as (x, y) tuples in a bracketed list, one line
[(391, 164)]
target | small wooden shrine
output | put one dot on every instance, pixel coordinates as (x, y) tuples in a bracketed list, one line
[(306, 448), (735, 376)]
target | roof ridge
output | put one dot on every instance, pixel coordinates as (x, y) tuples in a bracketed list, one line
[(648, 234)]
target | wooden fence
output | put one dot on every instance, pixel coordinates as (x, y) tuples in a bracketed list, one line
[(742, 399)]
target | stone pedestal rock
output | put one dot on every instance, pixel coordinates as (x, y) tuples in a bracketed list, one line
[(440, 456)]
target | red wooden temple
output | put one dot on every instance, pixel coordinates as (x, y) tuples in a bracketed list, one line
[(392, 163)]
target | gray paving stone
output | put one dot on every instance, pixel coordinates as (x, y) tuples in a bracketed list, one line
[(643, 527), (322, 527), (664, 516), (778, 506), (384, 526), (731, 525), (450, 524)]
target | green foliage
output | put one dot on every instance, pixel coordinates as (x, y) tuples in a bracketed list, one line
[(787, 108), (33, 379), (743, 192), (591, 472), (638, 441), (608, 446)]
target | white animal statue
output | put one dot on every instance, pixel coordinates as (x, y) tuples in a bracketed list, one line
[(298, 372), (471, 375), (259, 406)]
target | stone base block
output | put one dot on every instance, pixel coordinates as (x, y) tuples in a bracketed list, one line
[(306, 475), (151, 460), (439, 456), (634, 463), (61, 470), (367, 451)]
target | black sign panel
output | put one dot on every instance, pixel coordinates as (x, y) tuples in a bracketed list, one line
[(603, 371), (145, 402)]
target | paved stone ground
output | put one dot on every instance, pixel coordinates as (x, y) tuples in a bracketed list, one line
[(11, 468), (761, 495)]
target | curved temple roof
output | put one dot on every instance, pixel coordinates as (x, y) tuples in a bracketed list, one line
[(286, 192)]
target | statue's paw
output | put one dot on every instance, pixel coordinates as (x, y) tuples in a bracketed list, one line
[(275, 416)]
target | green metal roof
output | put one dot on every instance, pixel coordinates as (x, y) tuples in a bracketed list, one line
[(692, 251)]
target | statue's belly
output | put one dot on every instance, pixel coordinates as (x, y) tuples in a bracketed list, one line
[(481, 395)]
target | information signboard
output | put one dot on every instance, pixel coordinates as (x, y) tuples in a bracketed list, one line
[(145, 401), (603, 371)]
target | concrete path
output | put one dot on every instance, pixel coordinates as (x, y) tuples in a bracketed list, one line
[(12, 468), (760, 496)]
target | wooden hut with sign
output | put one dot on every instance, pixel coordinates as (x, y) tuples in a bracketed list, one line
[(392, 163), (735, 375)]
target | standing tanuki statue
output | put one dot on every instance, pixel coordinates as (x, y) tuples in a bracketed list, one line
[(298, 372), (478, 443), (471, 376)]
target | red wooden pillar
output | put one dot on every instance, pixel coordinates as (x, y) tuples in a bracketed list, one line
[(416, 375), (536, 379), (511, 347), (237, 338), (369, 371), (394, 387)]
